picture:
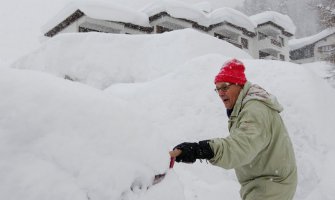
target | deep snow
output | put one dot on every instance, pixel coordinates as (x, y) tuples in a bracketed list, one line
[(133, 99)]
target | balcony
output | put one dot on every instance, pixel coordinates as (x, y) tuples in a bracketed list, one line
[(234, 42), (329, 49), (275, 42), (326, 52), (231, 41), (269, 44)]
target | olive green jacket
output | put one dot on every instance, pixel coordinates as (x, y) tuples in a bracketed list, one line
[(258, 147)]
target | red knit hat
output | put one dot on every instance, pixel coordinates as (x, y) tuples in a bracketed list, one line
[(232, 72)]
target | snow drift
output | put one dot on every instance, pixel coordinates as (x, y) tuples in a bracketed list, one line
[(122, 59), (64, 139)]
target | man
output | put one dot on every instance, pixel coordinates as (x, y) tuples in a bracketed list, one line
[(258, 147)]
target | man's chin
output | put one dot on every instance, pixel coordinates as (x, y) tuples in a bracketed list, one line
[(227, 105)]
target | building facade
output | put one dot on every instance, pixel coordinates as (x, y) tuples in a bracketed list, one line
[(264, 39), (319, 47)]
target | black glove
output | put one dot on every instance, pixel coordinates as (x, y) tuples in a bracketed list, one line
[(192, 151)]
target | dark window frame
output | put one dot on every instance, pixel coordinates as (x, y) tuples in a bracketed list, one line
[(245, 43)]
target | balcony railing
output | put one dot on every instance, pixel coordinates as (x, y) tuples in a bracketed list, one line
[(231, 41), (327, 50), (234, 42), (275, 42)]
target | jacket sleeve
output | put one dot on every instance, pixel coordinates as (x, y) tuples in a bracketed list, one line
[(250, 136)]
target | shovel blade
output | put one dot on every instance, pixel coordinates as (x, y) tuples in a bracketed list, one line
[(159, 177)]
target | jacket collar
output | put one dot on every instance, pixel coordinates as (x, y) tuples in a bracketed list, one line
[(238, 104)]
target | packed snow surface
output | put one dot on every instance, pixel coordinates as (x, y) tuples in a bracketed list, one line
[(151, 56), (106, 134)]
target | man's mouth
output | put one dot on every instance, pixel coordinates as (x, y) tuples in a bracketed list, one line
[(225, 99)]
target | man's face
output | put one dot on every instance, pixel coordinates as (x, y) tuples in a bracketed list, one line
[(228, 93)]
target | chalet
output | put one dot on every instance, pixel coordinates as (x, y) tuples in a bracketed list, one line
[(264, 35), (319, 47), (221, 23), (98, 17), (168, 16), (274, 30), (232, 26)]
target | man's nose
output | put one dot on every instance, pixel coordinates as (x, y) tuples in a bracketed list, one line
[(222, 92)]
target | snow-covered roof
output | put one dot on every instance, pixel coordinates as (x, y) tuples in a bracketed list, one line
[(196, 13), (232, 16), (176, 9), (100, 10), (299, 43), (200, 13), (282, 20)]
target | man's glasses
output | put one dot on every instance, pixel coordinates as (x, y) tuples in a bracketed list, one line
[(223, 88)]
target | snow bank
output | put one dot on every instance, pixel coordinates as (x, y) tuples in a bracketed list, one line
[(304, 114), (278, 18), (2, 63), (79, 142), (66, 140), (324, 70), (151, 55)]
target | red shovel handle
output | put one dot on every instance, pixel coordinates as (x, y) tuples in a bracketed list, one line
[(173, 154), (172, 159)]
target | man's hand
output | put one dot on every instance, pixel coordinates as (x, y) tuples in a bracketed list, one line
[(188, 152), (175, 153)]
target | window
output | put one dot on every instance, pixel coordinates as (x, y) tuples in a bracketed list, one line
[(282, 57), (327, 48), (161, 29), (222, 37), (84, 29), (263, 54), (281, 41), (245, 43), (296, 54), (261, 36), (308, 53)]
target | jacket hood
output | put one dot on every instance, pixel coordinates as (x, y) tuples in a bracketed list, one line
[(255, 92)]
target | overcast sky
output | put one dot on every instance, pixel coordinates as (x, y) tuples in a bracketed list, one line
[(214, 3), (219, 3)]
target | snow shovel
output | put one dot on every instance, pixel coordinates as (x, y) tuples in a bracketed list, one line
[(173, 154)]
